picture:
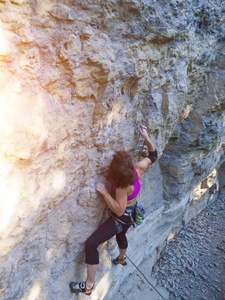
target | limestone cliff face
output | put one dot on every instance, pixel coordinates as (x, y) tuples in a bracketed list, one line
[(77, 79)]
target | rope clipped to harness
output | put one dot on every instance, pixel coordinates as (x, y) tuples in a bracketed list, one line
[(136, 213), (118, 222)]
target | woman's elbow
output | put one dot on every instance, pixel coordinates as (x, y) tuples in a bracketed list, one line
[(119, 213)]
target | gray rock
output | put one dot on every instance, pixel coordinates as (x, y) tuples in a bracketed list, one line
[(77, 79)]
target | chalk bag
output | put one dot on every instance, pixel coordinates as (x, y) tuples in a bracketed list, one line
[(139, 214)]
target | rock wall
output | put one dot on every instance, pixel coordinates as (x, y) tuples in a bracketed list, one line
[(77, 79)]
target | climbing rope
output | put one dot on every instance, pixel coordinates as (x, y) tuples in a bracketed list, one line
[(143, 276)]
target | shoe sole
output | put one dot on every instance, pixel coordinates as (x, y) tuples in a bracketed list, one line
[(124, 264)]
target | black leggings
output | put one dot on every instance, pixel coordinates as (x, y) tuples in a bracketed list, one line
[(106, 231)]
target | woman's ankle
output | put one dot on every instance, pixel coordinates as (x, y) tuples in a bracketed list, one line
[(122, 256), (89, 285)]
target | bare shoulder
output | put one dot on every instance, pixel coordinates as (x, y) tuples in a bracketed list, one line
[(142, 167), (140, 172), (138, 169), (121, 191)]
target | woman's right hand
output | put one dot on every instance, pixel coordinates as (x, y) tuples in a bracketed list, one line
[(144, 133)]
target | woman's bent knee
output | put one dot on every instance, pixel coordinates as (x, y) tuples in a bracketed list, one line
[(122, 241), (92, 256)]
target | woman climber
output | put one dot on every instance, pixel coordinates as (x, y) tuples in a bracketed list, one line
[(126, 178)]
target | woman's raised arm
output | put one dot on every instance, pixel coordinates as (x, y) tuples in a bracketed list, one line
[(146, 162)]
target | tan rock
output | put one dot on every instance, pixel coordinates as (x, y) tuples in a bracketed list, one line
[(76, 81)]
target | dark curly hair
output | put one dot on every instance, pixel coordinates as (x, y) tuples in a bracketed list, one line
[(121, 172)]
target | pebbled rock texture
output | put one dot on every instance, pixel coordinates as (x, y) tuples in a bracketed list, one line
[(76, 80), (193, 266)]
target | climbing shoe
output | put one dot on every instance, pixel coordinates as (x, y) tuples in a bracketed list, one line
[(118, 261), (77, 288)]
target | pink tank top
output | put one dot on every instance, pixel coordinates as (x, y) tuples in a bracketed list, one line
[(137, 187)]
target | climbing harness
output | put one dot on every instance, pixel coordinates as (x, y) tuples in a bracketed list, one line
[(130, 211), (143, 275), (136, 213)]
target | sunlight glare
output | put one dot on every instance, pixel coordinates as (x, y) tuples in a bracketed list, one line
[(22, 134), (171, 236), (59, 181), (10, 195), (22, 128), (4, 43), (113, 114), (102, 288), (34, 293)]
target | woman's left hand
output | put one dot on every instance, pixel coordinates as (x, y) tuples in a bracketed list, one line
[(101, 189)]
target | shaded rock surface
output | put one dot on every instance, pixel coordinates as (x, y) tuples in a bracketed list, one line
[(192, 266), (76, 80)]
